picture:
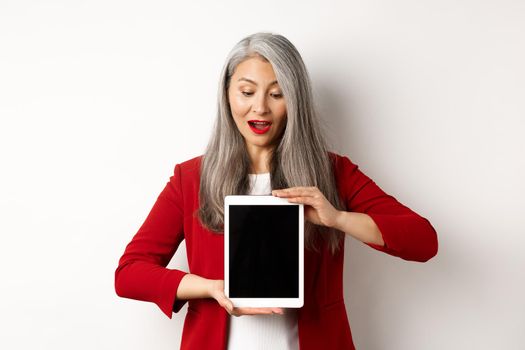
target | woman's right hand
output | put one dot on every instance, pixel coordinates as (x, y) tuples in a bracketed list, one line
[(217, 293)]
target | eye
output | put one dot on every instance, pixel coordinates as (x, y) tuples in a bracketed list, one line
[(277, 95), (247, 93)]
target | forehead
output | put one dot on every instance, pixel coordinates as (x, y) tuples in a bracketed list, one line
[(254, 70)]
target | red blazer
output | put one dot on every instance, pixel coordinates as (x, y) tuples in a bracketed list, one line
[(322, 321)]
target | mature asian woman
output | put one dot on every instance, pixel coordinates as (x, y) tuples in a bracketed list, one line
[(267, 139)]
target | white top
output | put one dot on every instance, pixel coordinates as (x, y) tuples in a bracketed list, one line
[(260, 332)]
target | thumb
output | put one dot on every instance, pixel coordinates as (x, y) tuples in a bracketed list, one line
[(226, 303)]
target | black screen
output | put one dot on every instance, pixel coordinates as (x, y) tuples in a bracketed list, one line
[(264, 251)]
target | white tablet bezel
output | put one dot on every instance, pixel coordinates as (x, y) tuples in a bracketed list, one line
[(262, 302)]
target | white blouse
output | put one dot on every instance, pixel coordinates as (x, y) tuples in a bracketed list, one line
[(261, 332)]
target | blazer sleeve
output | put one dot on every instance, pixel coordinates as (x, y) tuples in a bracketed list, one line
[(141, 273), (406, 234)]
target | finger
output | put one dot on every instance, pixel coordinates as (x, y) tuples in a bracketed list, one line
[(256, 311), (243, 312), (293, 189), (227, 304), (253, 310), (304, 200), (296, 191)]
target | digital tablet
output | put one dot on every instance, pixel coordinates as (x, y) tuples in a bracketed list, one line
[(263, 251)]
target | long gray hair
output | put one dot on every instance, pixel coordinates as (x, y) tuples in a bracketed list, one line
[(299, 159)]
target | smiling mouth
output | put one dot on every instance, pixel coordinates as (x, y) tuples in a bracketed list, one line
[(259, 127)]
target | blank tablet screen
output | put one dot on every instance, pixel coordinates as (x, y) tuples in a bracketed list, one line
[(264, 251)]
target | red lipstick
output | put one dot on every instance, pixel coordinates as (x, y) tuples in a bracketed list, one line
[(259, 126)]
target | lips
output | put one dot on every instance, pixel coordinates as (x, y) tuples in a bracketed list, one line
[(259, 126)]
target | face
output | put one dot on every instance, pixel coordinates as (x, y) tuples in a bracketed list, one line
[(255, 96)]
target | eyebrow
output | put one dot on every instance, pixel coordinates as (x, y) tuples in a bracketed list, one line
[(253, 82)]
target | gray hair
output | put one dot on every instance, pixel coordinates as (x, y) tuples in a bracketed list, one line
[(301, 156)]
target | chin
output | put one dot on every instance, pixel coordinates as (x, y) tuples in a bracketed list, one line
[(261, 143)]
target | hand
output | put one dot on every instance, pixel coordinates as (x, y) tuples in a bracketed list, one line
[(217, 293), (317, 210)]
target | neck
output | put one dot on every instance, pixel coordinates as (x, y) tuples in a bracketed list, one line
[(260, 159)]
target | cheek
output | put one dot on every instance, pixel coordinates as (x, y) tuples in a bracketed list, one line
[(282, 123), (281, 112), (238, 106)]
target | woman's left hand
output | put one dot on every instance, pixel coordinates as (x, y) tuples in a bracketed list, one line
[(317, 209)]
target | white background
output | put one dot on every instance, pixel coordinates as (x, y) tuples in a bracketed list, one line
[(100, 99)]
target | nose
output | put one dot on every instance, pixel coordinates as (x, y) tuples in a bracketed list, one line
[(260, 105)]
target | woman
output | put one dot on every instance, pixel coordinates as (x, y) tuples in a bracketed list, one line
[(266, 136)]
